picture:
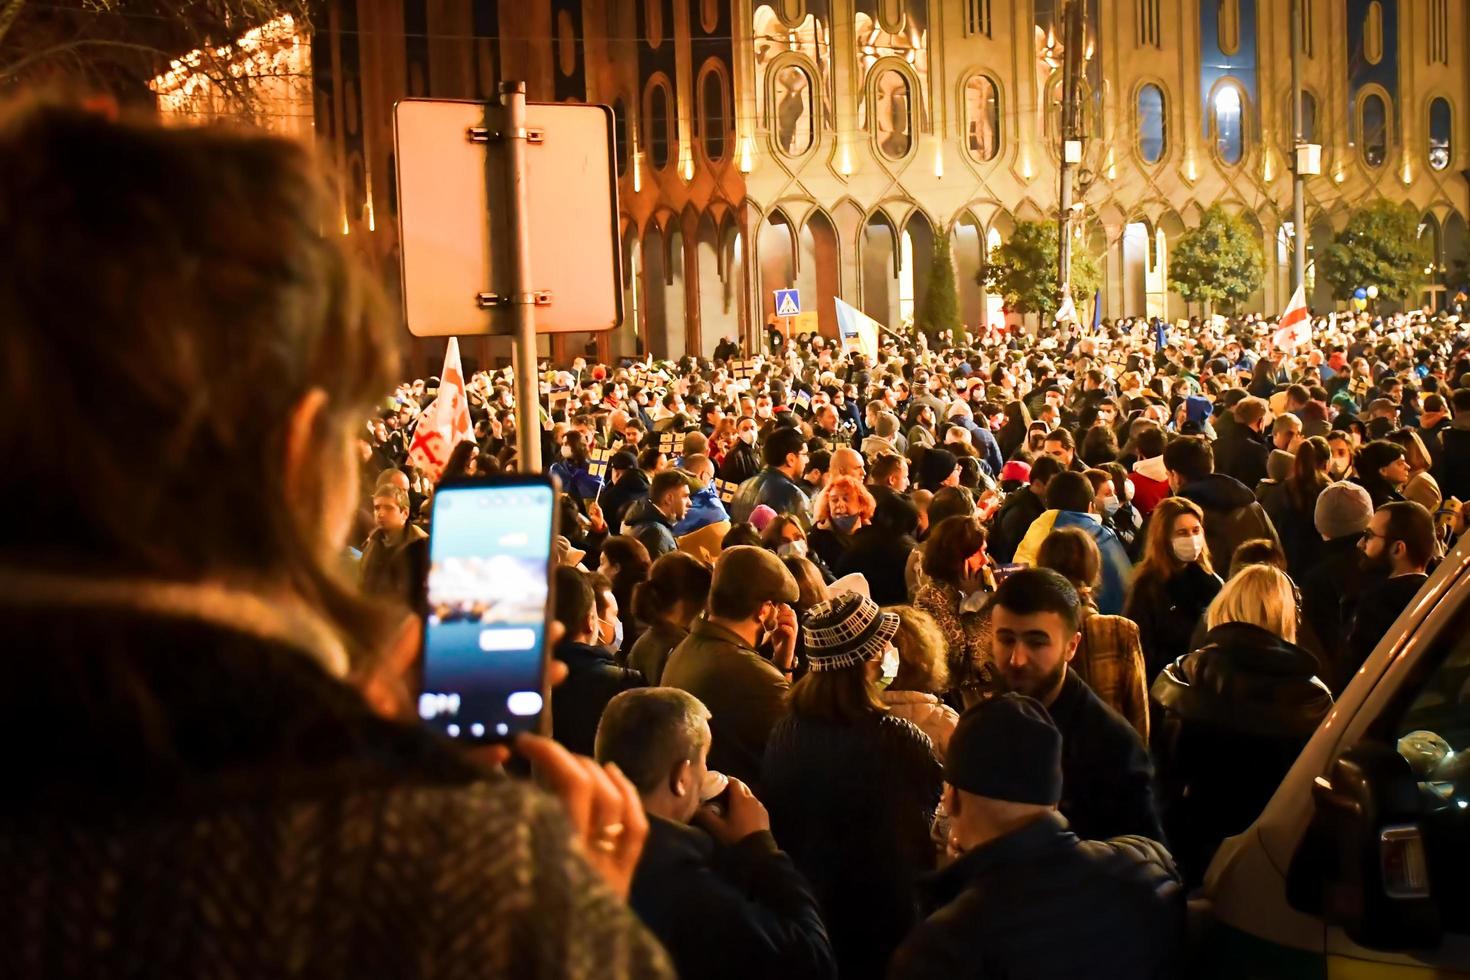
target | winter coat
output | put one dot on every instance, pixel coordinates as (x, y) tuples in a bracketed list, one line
[(879, 556), (967, 637), (1012, 520), (1297, 526), (1241, 453), (650, 653), (705, 508), (927, 713), (395, 564), (593, 679), (1107, 777), (1331, 590), (1232, 515), (829, 544), (1453, 468), (617, 498), (1039, 903), (1110, 659), (741, 463), (852, 804), (745, 693), (1236, 713), (651, 527), (1166, 611), (729, 912), (222, 804), (777, 491), (1379, 606), (1150, 484), (1116, 568)]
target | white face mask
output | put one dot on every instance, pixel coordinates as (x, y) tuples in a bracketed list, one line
[(1111, 505), (1189, 549), (792, 549), (747, 436)]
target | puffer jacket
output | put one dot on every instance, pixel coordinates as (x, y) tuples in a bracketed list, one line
[(777, 491), (1236, 713), (853, 804), (651, 527), (1040, 903), (927, 713)]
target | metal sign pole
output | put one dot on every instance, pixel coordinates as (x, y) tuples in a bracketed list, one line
[(528, 401)]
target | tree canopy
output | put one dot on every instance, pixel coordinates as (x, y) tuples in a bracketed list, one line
[(1220, 262), (1023, 269), (1379, 247)]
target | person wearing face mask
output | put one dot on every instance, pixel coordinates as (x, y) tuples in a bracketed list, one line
[(719, 663), (1173, 585), (916, 673), (1236, 713), (742, 461), (572, 469), (852, 789), (784, 537), (585, 607), (843, 509), (1340, 463)]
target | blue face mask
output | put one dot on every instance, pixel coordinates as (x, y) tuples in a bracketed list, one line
[(845, 524)]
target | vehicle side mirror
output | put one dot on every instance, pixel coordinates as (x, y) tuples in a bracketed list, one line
[(1370, 858)]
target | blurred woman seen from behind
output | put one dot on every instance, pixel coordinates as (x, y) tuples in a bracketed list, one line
[(1292, 504), (186, 579), (922, 675), (625, 563), (666, 605)]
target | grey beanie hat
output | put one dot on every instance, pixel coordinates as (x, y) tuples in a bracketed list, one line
[(1343, 509)]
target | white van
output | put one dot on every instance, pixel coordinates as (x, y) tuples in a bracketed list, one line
[(1359, 866)]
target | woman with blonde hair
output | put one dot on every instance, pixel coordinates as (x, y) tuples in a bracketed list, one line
[(1109, 657), (1236, 713), (956, 591), (923, 675), (842, 509), (1174, 583)]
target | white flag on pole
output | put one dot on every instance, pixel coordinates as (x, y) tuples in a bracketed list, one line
[(446, 422), (1067, 311), (1295, 327)]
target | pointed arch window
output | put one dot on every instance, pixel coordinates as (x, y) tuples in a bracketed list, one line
[(1152, 124), (1373, 124), (1227, 114), (713, 119), (658, 123), (982, 118)]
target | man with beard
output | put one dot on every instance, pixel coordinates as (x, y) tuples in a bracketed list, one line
[(1395, 551), (1107, 778)]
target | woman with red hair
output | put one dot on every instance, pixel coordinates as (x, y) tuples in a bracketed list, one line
[(842, 509)]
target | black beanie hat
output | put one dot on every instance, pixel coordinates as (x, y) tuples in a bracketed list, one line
[(1007, 749), (935, 467)]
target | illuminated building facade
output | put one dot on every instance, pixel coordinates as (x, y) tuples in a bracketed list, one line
[(824, 143)]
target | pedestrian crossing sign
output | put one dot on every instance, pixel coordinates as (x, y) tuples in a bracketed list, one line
[(788, 302)]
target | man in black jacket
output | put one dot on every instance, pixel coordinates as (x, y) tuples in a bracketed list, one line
[(1396, 551), (593, 677), (1332, 587), (626, 483), (880, 551), (1232, 513), (1027, 897), (1241, 450), (1021, 509), (652, 519), (1107, 778), (1453, 471), (721, 897)]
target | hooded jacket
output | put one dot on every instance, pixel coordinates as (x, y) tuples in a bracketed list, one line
[(705, 508), (1232, 515), (1150, 484), (1116, 568), (617, 498), (1236, 713)]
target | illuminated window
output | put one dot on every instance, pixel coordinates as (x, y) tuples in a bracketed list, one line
[(892, 114), (982, 118), (1229, 124), (714, 121), (793, 101), (1374, 127), (1152, 126), (620, 135), (1439, 134), (657, 122)]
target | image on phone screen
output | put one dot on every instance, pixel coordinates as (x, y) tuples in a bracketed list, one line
[(489, 558)]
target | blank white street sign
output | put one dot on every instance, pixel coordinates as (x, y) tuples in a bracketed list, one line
[(453, 233)]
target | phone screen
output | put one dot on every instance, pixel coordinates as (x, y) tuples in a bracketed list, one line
[(488, 600)]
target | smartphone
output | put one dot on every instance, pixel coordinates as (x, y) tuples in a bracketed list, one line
[(489, 607)]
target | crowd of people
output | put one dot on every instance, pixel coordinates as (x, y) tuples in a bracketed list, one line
[(957, 657)]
